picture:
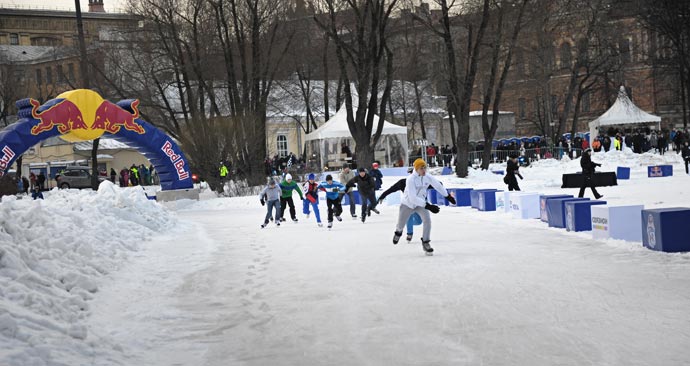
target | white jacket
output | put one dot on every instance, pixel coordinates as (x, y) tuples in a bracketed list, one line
[(415, 189)]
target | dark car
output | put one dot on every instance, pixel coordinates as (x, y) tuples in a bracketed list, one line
[(76, 177)]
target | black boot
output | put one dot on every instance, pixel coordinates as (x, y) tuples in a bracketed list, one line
[(396, 237), (427, 247)]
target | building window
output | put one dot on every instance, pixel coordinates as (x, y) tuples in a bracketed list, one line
[(584, 103), (566, 56), (14, 39), (49, 75), (282, 145), (624, 49), (70, 71), (39, 77), (522, 106), (60, 74)]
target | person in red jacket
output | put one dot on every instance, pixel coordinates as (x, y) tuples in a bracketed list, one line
[(431, 154)]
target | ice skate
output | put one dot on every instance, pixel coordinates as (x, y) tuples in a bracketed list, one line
[(294, 219), (354, 216), (428, 250), (396, 237), (338, 218), (330, 225), (408, 237), (375, 211), (320, 224)]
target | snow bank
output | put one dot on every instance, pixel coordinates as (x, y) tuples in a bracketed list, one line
[(53, 253)]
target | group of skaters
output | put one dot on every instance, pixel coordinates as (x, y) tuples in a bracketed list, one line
[(414, 208)]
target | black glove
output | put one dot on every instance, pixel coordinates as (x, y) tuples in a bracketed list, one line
[(451, 199), (519, 175), (432, 208), (262, 202), (379, 201), (301, 198)]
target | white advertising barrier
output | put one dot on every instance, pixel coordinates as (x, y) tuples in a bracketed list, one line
[(525, 205), (617, 222), (503, 201)]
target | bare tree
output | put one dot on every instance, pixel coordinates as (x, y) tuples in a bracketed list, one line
[(501, 53), (461, 73), (669, 23), (359, 31)]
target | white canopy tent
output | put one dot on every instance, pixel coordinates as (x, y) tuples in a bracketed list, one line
[(330, 144), (622, 112)]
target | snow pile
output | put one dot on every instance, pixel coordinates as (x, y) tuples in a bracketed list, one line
[(53, 254)]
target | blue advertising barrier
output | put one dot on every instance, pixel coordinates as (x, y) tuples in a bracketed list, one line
[(462, 196), (346, 199), (543, 199), (447, 171), (617, 222), (555, 209), (659, 171), (474, 196), (486, 200), (436, 198), (623, 172), (666, 229), (578, 215)]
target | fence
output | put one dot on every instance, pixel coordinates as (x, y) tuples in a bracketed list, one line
[(498, 156)]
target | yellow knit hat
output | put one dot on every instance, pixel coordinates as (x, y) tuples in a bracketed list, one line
[(419, 163)]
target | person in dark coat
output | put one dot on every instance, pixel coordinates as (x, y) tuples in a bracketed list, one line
[(686, 155), (511, 171), (113, 175), (376, 173), (41, 180), (588, 167), (366, 185)]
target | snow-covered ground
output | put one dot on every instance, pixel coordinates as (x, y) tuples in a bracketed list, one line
[(111, 278)]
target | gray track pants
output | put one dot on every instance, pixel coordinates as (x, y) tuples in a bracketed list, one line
[(404, 215)]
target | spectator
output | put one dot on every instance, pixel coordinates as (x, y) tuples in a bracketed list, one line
[(376, 173), (41, 180)]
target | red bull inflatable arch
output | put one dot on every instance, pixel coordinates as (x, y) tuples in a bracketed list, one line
[(82, 115)]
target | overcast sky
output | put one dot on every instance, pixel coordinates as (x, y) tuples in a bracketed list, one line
[(110, 5)]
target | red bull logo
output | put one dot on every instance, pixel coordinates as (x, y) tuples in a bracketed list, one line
[(176, 159), (83, 115), (111, 117), (7, 156), (63, 114)]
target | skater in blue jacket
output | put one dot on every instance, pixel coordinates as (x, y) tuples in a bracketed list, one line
[(334, 191)]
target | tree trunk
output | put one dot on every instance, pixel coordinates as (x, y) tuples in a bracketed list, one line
[(420, 112)]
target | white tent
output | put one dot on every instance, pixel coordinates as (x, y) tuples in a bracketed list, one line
[(326, 145), (622, 112)]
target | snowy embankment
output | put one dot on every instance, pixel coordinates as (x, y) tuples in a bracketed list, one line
[(53, 254)]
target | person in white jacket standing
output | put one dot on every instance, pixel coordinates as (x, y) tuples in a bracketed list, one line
[(414, 200)]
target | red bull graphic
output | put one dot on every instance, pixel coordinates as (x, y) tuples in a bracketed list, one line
[(7, 156), (176, 160), (83, 115), (63, 114), (111, 117)]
